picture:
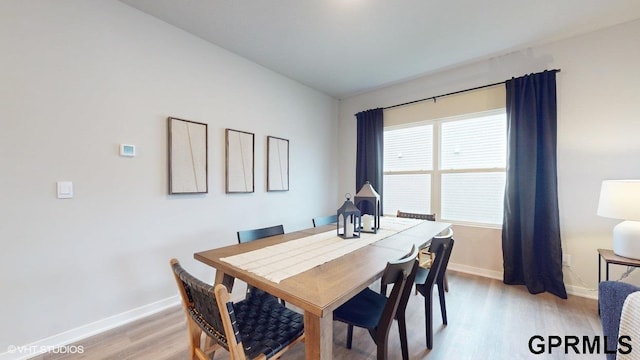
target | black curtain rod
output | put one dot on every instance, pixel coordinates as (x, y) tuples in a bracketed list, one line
[(452, 93)]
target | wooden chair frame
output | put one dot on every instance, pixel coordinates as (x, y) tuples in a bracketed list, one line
[(196, 351), (220, 295)]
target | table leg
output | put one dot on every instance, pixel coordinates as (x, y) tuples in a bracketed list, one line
[(599, 268), (226, 280), (318, 332), (599, 278)]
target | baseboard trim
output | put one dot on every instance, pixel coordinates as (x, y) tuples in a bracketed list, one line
[(88, 330), (498, 275), (492, 274), (582, 292)]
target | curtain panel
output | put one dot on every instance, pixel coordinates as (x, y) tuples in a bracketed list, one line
[(531, 243), (370, 152)]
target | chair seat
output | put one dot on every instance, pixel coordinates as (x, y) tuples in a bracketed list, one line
[(363, 310), (269, 329)]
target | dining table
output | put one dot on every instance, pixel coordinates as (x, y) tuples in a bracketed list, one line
[(319, 290)]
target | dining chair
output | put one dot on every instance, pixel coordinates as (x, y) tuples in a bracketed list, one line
[(424, 257), (375, 311), (246, 236), (324, 220), (255, 328), (410, 215), (425, 279), (255, 234)]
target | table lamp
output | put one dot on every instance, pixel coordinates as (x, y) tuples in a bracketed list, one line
[(620, 199)]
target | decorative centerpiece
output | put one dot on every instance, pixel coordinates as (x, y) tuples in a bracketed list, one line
[(349, 220), (367, 200)]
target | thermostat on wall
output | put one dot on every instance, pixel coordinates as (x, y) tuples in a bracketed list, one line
[(127, 150)]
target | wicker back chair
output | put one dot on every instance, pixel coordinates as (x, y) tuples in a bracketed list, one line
[(255, 328), (403, 214)]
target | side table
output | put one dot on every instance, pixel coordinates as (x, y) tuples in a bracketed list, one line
[(611, 258)]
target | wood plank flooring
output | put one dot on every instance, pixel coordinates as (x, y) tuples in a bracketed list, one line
[(487, 320)]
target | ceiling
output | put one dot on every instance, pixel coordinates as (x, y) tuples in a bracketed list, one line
[(346, 47)]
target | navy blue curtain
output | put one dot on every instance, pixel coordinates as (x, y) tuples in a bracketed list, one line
[(531, 245), (370, 152)]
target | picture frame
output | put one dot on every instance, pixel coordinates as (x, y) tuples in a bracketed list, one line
[(188, 156), (277, 164), (239, 161)]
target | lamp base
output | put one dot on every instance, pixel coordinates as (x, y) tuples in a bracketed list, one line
[(626, 239)]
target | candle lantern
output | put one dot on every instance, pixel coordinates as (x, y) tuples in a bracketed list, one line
[(349, 220), (367, 200)]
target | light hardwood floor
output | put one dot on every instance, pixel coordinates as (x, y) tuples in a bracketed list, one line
[(487, 320)]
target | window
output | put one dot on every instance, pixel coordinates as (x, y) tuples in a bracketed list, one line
[(408, 167), (454, 167)]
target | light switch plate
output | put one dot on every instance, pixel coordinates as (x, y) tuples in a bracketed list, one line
[(65, 189)]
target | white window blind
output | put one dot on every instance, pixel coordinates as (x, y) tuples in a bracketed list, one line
[(474, 143), (407, 192), (473, 197), (408, 149)]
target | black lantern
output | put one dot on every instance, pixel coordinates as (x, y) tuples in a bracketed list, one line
[(349, 218), (368, 202)]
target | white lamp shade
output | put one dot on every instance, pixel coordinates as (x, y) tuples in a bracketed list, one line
[(620, 199)]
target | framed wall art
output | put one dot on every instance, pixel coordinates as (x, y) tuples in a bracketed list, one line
[(239, 164), (277, 164), (188, 152)]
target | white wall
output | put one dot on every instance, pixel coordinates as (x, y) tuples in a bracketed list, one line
[(598, 127), (77, 78)]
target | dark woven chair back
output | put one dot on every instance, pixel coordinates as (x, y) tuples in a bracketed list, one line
[(200, 304), (325, 220), (256, 328), (408, 215), (255, 234)]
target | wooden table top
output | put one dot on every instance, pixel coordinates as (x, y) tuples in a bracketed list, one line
[(325, 287)]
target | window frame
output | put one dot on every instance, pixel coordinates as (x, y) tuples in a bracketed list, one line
[(436, 172)]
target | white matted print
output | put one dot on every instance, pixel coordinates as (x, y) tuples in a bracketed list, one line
[(239, 161), (188, 171), (277, 164)]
